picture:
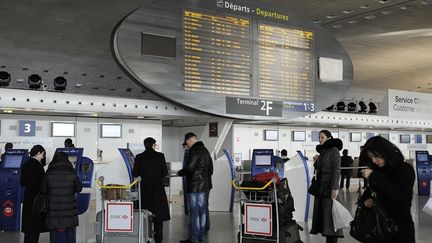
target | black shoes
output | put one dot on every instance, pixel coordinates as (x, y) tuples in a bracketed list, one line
[(186, 241)]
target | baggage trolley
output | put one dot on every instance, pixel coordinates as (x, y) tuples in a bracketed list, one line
[(260, 221), (141, 221)]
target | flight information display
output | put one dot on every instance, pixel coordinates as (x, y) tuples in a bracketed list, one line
[(285, 63), (217, 53)]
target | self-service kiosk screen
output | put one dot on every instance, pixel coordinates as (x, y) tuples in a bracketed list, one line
[(73, 160), (422, 157), (12, 161), (262, 159)]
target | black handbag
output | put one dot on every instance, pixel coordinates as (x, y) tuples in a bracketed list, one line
[(372, 224), (318, 189), (39, 204)]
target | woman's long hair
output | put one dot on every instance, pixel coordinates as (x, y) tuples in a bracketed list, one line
[(382, 148)]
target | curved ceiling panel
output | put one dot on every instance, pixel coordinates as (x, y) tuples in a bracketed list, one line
[(240, 59)]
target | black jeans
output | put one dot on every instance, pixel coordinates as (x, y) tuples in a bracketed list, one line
[(158, 228), (31, 237), (331, 239), (348, 177)]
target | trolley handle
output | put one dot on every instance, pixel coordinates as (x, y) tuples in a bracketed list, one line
[(101, 186), (237, 187)]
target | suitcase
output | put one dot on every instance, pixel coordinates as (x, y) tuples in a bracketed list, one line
[(127, 237)]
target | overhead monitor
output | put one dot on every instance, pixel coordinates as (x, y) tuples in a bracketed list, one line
[(355, 137), (428, 138), (263, 160), (111, 130), (255, 61), (418, 138), (385, 135), (12, 161), (63, 129), (158, 45), (271, 135), (299, 136), (404, 138)]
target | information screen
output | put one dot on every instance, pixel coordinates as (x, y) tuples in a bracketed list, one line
[(262, 159), (217, 53), (12, 161), (285, 63), (422, 157)]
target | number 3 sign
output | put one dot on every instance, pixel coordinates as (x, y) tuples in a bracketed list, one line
[(27, 128)]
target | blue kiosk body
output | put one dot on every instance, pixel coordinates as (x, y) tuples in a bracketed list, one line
[(264, 161), (11, 193), (129, 160), (423, 172)]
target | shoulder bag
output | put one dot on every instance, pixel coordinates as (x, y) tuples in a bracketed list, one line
[(372, 224)]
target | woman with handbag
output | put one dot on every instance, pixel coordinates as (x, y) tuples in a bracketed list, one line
[(392, 181), (327, 166), (32, 175)]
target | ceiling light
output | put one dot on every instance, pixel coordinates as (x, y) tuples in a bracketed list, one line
[(365, 6), (4, 78), (338, 26), (406, 7), (340, 106), (78, 85), (330, 108), (384, 1), (372, 107), (7, 111), (352, 21), (370, 17), (316, 21), (331, 16), (140, 117), (363, 107), (60, 83), (352, 106), (426, 2), (347, 11), (387, 12), (34, 81)]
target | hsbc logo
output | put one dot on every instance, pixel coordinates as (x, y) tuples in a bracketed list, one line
[(220, 3)]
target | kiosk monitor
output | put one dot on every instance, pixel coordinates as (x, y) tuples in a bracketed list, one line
[(12, 161), (263, 160)]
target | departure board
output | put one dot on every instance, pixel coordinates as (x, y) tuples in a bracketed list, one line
[(285, 63), (217, 51)]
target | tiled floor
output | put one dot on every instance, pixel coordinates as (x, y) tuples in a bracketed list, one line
[(224, 226)]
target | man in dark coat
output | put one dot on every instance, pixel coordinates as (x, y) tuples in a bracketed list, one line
[(32, 174), (60, 186), (346, 161), (198, 170), (152, 168)]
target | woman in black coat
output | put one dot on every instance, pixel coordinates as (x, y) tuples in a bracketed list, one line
[(392, 180), (152, 168), (60, 186), (32, 174), (327, 165)]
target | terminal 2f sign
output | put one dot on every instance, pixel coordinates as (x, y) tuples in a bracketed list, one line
[(258, 219)]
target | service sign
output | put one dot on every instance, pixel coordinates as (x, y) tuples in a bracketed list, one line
[(258, 219), (408, 104), (119, 217)]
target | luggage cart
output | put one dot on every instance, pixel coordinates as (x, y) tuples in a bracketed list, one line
[(259, 205), (141, 224)]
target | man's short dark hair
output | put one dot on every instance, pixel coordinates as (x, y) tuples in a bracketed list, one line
[(68, 143), (187, 136), (284, 152), (8, 146), (148, 143)]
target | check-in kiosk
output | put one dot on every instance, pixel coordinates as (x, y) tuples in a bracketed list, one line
[(262, 161), (423, 167), (118, 171), (11, 194), (84, 167)]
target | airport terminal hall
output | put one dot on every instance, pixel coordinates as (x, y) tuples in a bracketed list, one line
[(216, 121)]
